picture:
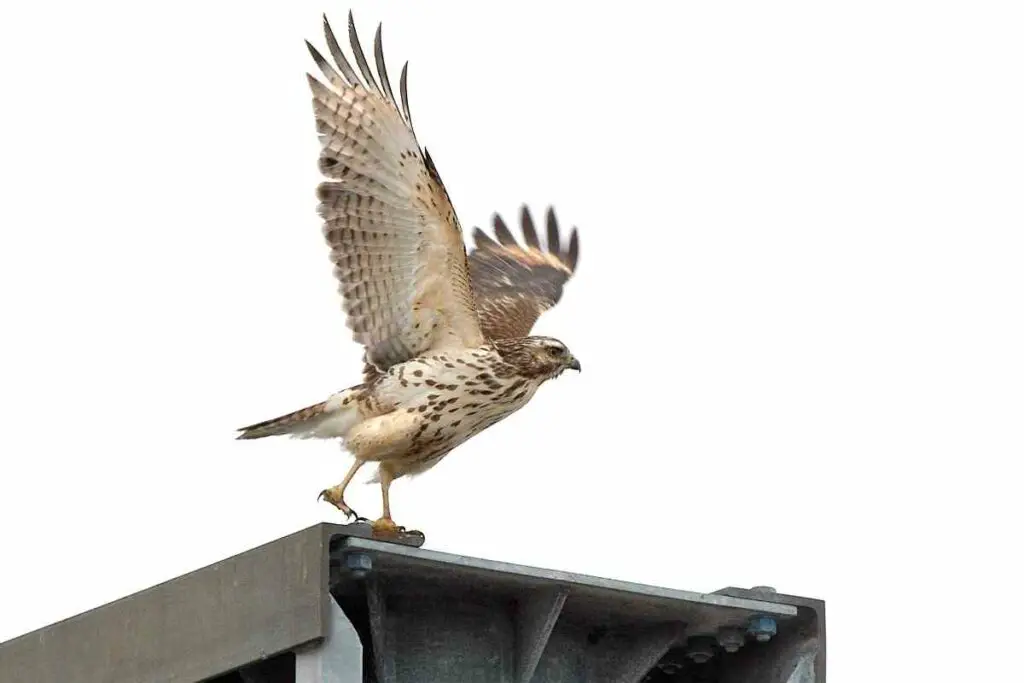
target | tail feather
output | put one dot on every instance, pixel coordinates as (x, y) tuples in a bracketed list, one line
[(293, 423)]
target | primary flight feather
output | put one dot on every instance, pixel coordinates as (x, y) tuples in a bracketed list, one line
[(447, 351)]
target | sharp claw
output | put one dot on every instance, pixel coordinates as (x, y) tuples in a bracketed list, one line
[(345, 509)]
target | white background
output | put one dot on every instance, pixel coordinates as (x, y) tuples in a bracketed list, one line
[(798, 307)]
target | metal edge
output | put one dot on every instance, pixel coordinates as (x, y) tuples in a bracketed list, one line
[(808, 609), (160, 636), (569, 578)]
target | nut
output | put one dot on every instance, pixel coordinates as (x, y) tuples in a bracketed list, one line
[(358, 564), (762, 628), (700, 649), (731, 638)]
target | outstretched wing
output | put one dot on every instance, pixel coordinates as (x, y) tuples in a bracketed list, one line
[(514, 284), (395, 241)]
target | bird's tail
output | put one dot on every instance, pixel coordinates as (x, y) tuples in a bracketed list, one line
[(328, 419)]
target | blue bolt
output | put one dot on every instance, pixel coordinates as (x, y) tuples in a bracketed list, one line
[(762, 628)]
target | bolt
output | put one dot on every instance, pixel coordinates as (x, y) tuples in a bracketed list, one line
[(358, 564), (762, 628), (763, 590), (731, 638), (700, 649), (672, 662)]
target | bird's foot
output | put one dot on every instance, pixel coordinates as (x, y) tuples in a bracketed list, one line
[(385, 527), (333, 496)]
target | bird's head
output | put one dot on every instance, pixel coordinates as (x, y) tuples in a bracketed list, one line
[(537, 357)]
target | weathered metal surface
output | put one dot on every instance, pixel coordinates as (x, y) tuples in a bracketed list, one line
[(338, 658), (254, 605), (588, 594), (273, 670), (632, 652), (383, 648), (795, 655), (407, 615), (535, 615), (363, 529), (436, 616)]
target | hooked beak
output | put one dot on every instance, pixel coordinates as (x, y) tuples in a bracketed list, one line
[(574, 364)]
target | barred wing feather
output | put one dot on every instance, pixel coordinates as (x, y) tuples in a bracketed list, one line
[(515, 284), (394, 238)]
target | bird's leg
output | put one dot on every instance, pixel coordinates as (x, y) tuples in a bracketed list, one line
[(336, 494), (385, 526)]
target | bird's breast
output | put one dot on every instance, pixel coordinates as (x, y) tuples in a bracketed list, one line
[(456, 395)]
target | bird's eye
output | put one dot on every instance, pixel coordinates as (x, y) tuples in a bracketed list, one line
[(557, 351)]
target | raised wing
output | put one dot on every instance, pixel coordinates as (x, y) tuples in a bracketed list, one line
[(395, 241), (514, 284)]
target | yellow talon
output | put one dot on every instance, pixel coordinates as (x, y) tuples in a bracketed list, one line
[(386, 527)]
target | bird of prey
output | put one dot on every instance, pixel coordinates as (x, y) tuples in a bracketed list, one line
[(448, 351)]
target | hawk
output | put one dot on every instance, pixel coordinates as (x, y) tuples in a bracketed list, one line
[(445, 333)]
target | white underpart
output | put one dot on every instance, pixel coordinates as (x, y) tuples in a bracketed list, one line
[(488, 410), (402, 392), (336, 421)]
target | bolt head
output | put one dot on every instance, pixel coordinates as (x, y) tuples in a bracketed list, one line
[(731, 639), (762, 628), (673, 659), (700, 649), (358, 564)]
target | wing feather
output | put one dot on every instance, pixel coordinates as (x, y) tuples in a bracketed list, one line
[(515, 284), (530, 232), (394, 238), (554, 241), (503, 234), (338, 55), (357, 52)]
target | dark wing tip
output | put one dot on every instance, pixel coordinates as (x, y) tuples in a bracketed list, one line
[(529, 232), (482, 239), (325, 67), (337, 54), (382, 70), (550, 217), (569, 257), (572, 256), (317, 57), (502, 232), (316, 86), (554, 239), (357, 52), (403, 91)]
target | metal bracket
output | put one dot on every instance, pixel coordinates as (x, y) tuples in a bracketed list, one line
[(633, 653), (338, 658), (432, 616), (535, 618), (413, 539)]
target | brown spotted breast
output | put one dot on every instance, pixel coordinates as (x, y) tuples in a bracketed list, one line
[(456, 394)]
